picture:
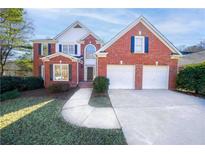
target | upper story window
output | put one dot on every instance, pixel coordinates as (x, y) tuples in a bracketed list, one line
[(139, 44), (65, 48), (90, 50), (44, 49), (68, 48), (72, 49)]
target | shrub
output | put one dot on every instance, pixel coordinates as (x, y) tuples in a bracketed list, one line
[(100, 84), (9, 95), (59, 87), (192, 78), (9, 83)]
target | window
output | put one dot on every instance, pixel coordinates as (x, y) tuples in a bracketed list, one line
[(60, 72), (72, 49), (139, 44), (68, 49), (44, 49), (90, 50), (65, 49), (42, 72)]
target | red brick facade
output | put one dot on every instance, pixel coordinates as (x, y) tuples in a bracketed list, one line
[(37, 62), (64, 60), (120, 51), (56, 60), (88, 40)]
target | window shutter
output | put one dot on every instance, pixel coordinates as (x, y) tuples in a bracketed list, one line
[(70, 72), (49, 48), (39, 70), (51, 72), (39, 48), (76, 49), (132, 44), (146, 44), (60, 47)]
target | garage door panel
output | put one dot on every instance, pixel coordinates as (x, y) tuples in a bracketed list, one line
[(121, 76), (155, 77)]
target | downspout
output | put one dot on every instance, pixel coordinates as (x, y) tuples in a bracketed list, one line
[(96, 65), (77, 73)]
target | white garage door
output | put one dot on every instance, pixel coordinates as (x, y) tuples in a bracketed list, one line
[(155, 77), (121, 76)]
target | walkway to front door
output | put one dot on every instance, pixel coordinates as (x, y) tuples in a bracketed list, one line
[(77, 111)]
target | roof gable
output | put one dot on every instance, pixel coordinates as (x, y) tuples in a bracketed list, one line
[(60, 54), (77, 24), (148, 25)]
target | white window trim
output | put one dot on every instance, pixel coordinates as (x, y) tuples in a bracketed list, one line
[(63, 47), (85, 51), (42, 49), (42, 52), (61, 71), (143, 43), (73, 48), (68, 48), (43, 72)]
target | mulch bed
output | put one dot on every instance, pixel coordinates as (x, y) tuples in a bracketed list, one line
[(190, 93)]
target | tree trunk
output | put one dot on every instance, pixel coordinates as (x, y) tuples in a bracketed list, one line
[(2, 70)]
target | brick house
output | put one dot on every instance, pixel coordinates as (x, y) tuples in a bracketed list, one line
[(139, 57), (69, 57)]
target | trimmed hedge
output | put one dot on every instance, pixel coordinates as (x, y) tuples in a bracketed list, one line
[(59, 87), (9, 95), (192, 78), (101, 84), (9, 83)]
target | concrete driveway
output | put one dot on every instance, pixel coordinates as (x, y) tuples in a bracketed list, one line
[(159, 116)]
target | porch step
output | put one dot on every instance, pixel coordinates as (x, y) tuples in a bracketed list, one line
[(85, 84)]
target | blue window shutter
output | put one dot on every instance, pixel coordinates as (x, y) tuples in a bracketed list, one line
[(146, 44), (51, 72), (70, 72), (132, 44), (49, 48), (39, 48), (60, 47), (76, 49)]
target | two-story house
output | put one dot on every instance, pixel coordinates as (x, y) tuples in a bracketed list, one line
[(68, 57), (138, 57)]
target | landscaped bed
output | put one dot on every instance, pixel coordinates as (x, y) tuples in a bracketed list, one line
[(100, 100), (37, 120)]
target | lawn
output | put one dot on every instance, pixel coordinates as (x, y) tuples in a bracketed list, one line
[(37, 120)]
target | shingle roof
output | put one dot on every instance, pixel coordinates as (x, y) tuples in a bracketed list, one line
[(192, 58)]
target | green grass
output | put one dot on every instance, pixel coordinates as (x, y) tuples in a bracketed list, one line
[(46, 126)]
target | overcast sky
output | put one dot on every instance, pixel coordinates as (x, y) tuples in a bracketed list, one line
[(180, 26)]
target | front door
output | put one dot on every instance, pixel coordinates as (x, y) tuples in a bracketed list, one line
[(89, 73)]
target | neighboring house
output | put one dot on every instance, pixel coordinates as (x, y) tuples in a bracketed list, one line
[(139, 57), (11, 69), (193, 58), (68, 57)]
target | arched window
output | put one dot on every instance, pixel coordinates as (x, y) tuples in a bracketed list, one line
[(90, 50)]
